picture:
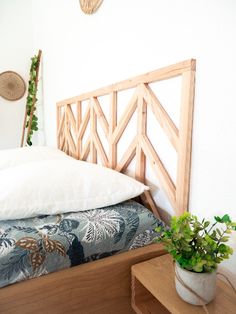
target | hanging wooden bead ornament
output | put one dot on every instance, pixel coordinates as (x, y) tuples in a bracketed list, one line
[(90, 6)]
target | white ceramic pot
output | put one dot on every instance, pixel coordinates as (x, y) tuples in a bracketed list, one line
[(203, 284)]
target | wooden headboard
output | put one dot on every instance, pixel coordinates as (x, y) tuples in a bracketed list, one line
[(72, 122)]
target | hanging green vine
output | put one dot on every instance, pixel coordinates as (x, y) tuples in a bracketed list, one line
[(31, 99)]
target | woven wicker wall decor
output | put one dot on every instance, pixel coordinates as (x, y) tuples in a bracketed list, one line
[(12, 85), (90, 6)]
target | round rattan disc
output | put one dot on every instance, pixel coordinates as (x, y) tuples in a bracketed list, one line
[(12, 85)]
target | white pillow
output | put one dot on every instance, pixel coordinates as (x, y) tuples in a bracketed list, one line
[(58, 186), (16, 156)]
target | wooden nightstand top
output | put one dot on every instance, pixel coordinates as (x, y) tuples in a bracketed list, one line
[(157, 277)]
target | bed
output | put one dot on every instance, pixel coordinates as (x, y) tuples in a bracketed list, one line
[(103, 285)]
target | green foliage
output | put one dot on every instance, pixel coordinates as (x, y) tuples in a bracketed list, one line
[(197, 246), (32, 91)]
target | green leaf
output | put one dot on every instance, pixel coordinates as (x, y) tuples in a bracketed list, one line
[(226, 218), (233, 225), (218, 231), (195, 249), (222, 248), (206, 224), (224, 239), (31, 98), (218, 219), (213, 235)]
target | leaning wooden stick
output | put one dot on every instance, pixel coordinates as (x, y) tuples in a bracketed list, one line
[(33, 105)]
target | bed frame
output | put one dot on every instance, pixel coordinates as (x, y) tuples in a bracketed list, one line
[(103, 286)]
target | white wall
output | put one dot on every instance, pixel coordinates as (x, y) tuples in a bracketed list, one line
[(126, 38), (123, 39), (15, 53)]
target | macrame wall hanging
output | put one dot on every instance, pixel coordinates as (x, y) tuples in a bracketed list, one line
[(90, 6)]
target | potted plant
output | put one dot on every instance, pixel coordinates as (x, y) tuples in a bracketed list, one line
[(197, 248)]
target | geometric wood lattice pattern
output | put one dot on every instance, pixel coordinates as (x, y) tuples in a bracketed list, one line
[(71, 128)]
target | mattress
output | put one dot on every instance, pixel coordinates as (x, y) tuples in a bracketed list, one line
[(33, 247)]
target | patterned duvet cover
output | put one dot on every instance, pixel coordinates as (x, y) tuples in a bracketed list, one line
[(33, 247)]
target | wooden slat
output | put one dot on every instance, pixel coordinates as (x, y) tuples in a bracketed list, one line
[(112, 126), (161, 115), (159, 169), (85, 151), (124, 120), (101, 287), (141, 130), (127, 157), (84, 123), (71, 122), (71, 118), (185, 138), (101, 117), (93, 130), (62, 142), (71, 142), (78, 115), (163, 291), (61, 124), (100, 149), (141, 147), (78, 123), (66, 129), (150, 203), (154, 76), (63, 145)]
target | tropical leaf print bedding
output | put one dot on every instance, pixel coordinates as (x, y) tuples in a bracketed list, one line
[(33, 247)]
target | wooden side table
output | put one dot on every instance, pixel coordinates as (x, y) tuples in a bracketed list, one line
[(153, 291)]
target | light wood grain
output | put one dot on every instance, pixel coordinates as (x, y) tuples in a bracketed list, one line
[(157, 277), (101, 117), (161, 74), (159, 169), (149, 202), (78, 123), (101, 287), (141, 130), (71, 118), (125, 118), (161, 115), (60, 123), (112, 126), (66, 131), (185, 140), (127, 157), (84, 123), (141, 149), (142, 300), (85, 151), (100, 149), (93, 129)]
